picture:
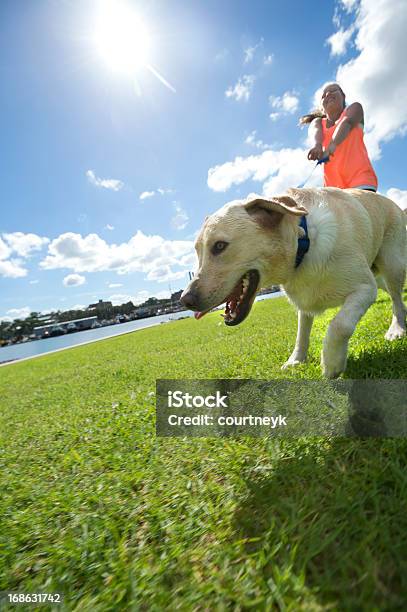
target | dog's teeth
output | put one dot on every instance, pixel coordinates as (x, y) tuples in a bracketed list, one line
[(233, 315)]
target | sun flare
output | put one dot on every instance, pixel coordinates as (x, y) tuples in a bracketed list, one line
[(121, 37)]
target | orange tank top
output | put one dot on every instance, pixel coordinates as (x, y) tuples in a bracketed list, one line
[(350, 165)]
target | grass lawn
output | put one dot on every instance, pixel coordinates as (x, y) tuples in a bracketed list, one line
[(93, 505)]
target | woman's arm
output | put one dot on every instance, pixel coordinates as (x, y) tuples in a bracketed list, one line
[(315, 132), (353, 116)]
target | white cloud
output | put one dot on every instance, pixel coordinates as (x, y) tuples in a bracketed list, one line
[(276, 169), (118, 299), (19, 313), (24, 244), (274, 116), (339, 41), (250, 51), (249, 54), (113, 184), (115, 285), (146, 194), (243, 88), (5, 251), (74, 280), (91, 253), (180, 220), (149, 194), (109, 227), (12, 268), (164, 191), (287, 103), (349, 5), (190, 260), (141, 296), (399, 196), (376, 77), (21, 245), (164, 274), (77, 307), (257, 143), (162, 294), (34, 282), (268, 59)]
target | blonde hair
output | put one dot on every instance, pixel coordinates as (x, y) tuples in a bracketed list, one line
[(318, 112)]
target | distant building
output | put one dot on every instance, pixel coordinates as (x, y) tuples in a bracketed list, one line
[(45, 319), (104, 310), (175, 297), (85, 323), (101, 304), (144, 311)]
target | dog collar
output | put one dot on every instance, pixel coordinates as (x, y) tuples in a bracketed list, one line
[(303, 242)]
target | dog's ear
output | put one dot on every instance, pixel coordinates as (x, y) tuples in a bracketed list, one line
[(269, 212)]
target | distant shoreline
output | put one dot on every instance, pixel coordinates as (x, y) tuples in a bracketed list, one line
[(153, 323), (65, 348)]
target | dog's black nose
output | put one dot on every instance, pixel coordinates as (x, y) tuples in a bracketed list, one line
[(190, 300)]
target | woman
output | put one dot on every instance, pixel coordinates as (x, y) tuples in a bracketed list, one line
[(338, 133)]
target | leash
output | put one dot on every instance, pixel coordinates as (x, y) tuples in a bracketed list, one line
[(303, 242), (319, 162)]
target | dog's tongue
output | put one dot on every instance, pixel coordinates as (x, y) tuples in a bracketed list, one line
[(199, 315)]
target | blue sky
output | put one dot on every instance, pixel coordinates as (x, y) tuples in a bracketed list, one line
[(106, 175)]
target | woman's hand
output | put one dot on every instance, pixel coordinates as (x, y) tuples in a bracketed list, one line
[(330, 150), (316, 152)]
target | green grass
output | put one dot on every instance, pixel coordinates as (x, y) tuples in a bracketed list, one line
[(94, 505)]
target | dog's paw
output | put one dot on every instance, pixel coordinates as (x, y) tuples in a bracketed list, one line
[(332, 365), (395, 331), (331, 374), (292, 361)]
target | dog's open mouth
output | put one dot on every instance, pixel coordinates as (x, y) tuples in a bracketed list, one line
[(240, 301)]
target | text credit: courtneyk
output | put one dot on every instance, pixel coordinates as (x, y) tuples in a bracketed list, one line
[(177, 399), (205, 408), (280, 408)]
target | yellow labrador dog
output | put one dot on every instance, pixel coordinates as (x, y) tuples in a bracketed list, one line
[(325, 246)]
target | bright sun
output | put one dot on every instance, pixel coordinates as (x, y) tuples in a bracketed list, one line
[(121, 37)]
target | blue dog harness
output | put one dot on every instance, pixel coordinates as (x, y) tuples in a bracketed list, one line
[(303, 242)]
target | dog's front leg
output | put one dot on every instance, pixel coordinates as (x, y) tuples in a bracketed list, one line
[(299, 354), (335, 350)]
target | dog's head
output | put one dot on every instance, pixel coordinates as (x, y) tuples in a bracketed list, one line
[(241, 247)]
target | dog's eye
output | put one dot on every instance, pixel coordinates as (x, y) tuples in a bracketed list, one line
[(219, 246)]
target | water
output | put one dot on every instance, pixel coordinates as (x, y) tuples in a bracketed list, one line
[(40, 347)]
